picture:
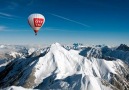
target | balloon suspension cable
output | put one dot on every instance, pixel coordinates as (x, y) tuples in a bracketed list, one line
[(35, 34)]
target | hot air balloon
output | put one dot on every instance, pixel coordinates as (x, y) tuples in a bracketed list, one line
[(36, 21)]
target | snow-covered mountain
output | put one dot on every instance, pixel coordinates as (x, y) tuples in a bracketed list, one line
[(61, 67)]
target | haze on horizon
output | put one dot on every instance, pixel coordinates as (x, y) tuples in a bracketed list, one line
[(67, 21)]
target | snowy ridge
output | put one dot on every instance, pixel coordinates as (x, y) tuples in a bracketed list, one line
[(55, 67), (16, 88), (104, 52)]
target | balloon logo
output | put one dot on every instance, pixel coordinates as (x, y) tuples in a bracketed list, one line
[(36, 21)]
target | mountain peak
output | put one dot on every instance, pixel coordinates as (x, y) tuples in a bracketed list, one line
[(123, 47), (56, 44)]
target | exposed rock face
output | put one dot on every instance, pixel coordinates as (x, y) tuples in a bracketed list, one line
[(123, 47)]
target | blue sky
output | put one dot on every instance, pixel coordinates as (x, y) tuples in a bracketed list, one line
[(67, 21)]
